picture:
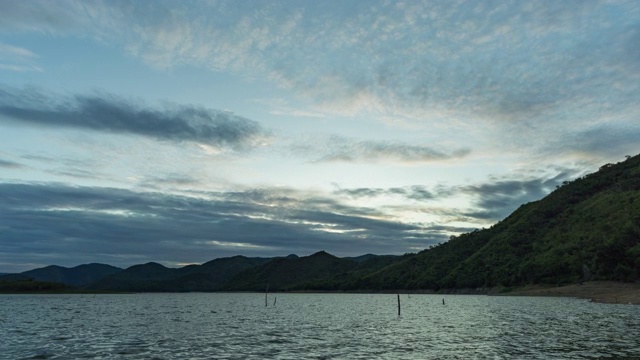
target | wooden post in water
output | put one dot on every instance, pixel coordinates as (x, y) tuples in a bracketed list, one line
[(275, 298), (265, 296), (398, 304)]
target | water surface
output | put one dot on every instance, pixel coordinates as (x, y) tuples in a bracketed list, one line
[(313, 326)]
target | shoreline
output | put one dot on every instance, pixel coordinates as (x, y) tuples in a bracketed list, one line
[(605, 292)]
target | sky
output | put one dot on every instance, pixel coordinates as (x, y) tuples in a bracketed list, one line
[(184, 131)]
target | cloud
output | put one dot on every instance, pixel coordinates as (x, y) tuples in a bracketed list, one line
[(416, 192), (112, 114), (610, 141), (116, 225), (13, 58), (496, 199), (489, 201), (10, 164), (171, 180), (341, 149), (282, 107), (42, 15), (521, 70), (503, 57)]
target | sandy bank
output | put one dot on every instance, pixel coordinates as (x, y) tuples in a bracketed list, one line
[(609, 292)]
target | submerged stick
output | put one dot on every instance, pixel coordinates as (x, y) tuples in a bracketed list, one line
[(265, 296), (398, 304), (275, 298)]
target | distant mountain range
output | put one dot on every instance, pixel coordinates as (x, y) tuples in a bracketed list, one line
[(237, 273), (210, 276), (587, 229), (78, 276)]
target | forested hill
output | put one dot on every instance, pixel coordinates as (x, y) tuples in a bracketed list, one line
[(588, 228)]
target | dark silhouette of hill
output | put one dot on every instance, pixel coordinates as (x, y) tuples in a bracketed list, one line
[(351, 279), (287, 273), (76, 276), (320, 271), (30, 286), (209, 276)]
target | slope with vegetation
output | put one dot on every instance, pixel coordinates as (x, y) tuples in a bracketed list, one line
[(586, 229), (290, 272)]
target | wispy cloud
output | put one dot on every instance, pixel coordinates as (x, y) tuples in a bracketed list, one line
[(282, 107), (42, 15), (490, 200), (416, 192), (609, 141), (10, 164), (13, 58), (172, 180), (112, 114), (499, 197), (437, 49), (341, 149), (517, 67), (521, 68)]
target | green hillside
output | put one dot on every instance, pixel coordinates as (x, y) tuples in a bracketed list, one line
[(352, 278), (284, 273), (588, 228)]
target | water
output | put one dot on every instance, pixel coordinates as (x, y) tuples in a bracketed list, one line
[(313, 326)]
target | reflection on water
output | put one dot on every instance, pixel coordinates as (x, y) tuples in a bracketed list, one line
[(313, 326)]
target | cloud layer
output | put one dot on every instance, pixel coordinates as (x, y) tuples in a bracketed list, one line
[(121, 227), (490, 201), (527, 75), (111, 114), (17, 59)]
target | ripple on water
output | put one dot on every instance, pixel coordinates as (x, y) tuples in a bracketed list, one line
[(315, 326)]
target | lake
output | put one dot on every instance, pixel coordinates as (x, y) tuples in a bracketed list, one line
[(313, 326)]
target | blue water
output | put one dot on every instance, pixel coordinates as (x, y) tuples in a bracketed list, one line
[(313, 326)]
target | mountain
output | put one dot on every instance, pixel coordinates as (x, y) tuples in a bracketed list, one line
[(586, 229), (287, 273), (209, 276), (365, 265), (76, 276), (238, 273), (362, 258), (144, 277)]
